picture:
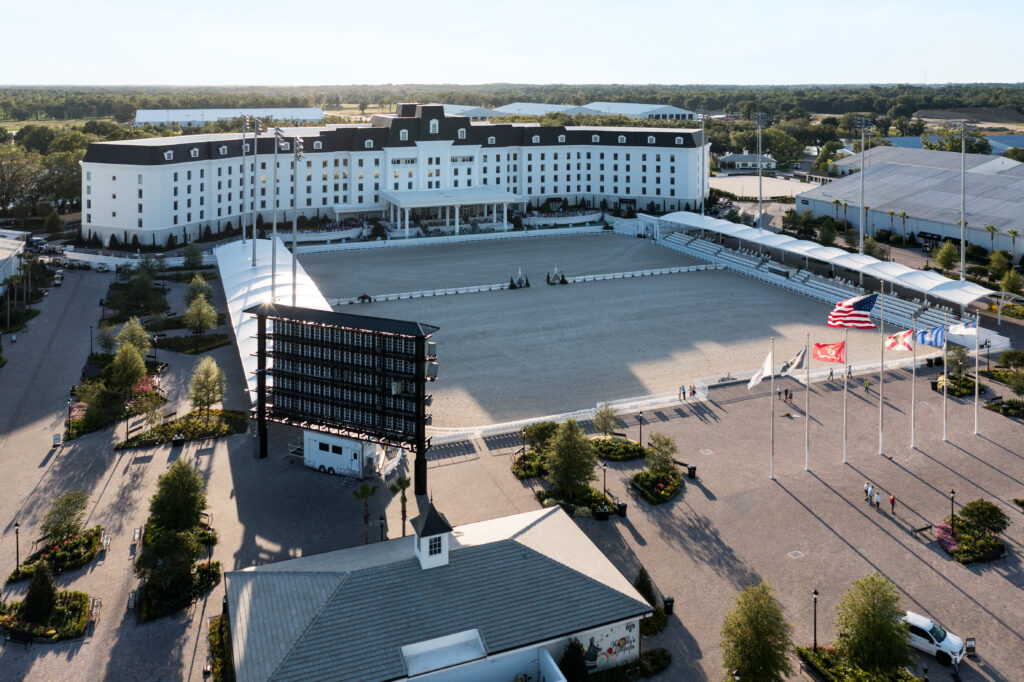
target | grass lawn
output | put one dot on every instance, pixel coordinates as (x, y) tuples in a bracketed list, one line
[(193, 426)]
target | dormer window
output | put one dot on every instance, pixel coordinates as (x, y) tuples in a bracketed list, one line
[(223, 149), (462, 133), (403, 135), (679, 140), (595, 138), (285, 146), (435, 545), (536, 139), (368, 144), (168, 156), (434, 127), (194, 153), (318, 145), (491, 140), (561, 139), (245, 148), (622, 139), (650, 139)]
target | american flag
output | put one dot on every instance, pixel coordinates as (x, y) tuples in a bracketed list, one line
[(853, 312)]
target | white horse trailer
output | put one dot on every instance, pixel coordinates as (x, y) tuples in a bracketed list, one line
[(336, 455)]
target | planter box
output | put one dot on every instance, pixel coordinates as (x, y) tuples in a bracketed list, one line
[(601, 514)]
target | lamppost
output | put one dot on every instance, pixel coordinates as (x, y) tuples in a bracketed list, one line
[(90, 339), (814, 593), (761, 118), (963, 197), (736, 675), (295, 219), (640, 420), (17, 548), (69, 412), (278, 143), (862, 123), (604, 485), (382, 528), (952, 519), (988, 354)]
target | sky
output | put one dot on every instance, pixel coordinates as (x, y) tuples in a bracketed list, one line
[(340, 42)]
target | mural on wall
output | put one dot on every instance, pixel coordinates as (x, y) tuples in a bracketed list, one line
[(611, 647)]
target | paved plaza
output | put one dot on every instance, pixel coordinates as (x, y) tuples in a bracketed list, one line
[(732, 526)]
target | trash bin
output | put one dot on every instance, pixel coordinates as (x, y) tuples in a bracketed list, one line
[(930, 362), (938, 361), (670, 604), (621, 508), (691, 471)]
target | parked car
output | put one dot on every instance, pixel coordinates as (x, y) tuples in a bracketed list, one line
[(928, 636)]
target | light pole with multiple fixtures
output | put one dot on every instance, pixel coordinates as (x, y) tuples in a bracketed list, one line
[(640, 420), (295, 221), (278, 142), (862, 123), (604, 484), (814, 593), (382, 528), (963, 197), (761, 118), (952, 518), (17, 548)]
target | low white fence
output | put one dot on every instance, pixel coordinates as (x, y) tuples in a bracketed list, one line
[(334, 302), (434, 241), (645, 273), (94, 259), (326, 236), (592, 216)]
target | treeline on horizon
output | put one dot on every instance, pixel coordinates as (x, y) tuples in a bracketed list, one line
[(120, 102)]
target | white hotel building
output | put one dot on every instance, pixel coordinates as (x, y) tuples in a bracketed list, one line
[(415, 164)]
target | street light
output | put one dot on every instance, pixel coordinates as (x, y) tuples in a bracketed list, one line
[(69, 413), (604, 485), (90, 339), (17, 548), (736, 675), (988, 354), (863, 123), (382, 528), (814, 593), (952, 519), (640, 419)]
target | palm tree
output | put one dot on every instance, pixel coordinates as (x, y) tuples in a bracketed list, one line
[(891, 228), (399, 487), (844, 211), (835, 202), (991, 229), (364, 493), (903, 216), (1013, 244)]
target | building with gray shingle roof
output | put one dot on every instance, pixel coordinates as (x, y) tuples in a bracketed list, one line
[(482, 601)]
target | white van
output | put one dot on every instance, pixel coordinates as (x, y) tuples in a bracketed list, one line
[(336, 455)]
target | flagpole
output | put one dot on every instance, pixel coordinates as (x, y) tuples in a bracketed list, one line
[(913, 382), (771, 399), (881, 372), (977, 375), (846, 383), (807, 403), (945, 379)]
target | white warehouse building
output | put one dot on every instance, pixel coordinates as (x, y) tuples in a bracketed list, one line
[(406, 166), (188, 118)]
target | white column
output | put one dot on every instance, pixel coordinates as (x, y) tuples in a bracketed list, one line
[(504, 217), (456, 220), (447, 216), (406, 223), (494, 213)]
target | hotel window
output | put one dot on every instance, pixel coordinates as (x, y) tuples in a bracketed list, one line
[(403, 135), (679, 140), (595, 138), (536, 139), (622, 139), (650, 139), (194, 153), (434, 546), (561, 138), (368, 144), (168, 156), (224, 150), (462, 133), (490, 140), (433, 127), (318, 145)]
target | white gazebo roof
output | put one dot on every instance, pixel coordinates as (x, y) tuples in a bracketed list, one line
[(455, 196), (931, 283)]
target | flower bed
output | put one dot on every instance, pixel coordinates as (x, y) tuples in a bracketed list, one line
[(831, 666), (69, 555), (1010, 310), (657, 488), (156, 602), (592, 500), (68, 620), (529, 465), (1011, 408), (187, 344), (960, 387), (220, 650), (967, 548), (618, 450), (193, 426)]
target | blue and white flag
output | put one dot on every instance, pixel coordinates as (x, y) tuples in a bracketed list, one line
[(936, 336), (966, 328)]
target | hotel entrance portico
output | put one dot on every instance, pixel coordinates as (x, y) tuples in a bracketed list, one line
[(445, 205)]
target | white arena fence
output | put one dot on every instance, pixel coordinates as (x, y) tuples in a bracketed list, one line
[(94, 259), (563, 220), (452, 239)]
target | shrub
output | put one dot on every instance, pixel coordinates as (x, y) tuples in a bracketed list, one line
[(959, 386), (191, 427), (973, 548), (529, 465), (41, 597), (207, 577), (654, 661), (537, 435), (831, 666), (72, 553), (191, 346), (645, 586), (658, 488), (982, 517), (618, 450), (573, 663), (655, 623)]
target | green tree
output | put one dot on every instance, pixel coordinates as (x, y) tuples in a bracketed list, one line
[(106, 339), (537, 436), (874, 249), (827, 155), (660, 456), (947, 255), (399, 487), (1014, 154), (200, 317), (1013, 243), (1015, 381), (605, 420), (570, 460), (957, 360), (133, 333), (60, 176), (1011, 282), (947, 139), (199, 287), (20, 175), (872, 635), (573, 663), (41, 598), (363, 493), (169, 559), (127, 369), (903, 216), (193, 257), (54, 225), (362, 106), (756, 639), (992, 232), (982, 517), (207, 386), (997, 265), (179, 499), (64, 519), (827, 234)]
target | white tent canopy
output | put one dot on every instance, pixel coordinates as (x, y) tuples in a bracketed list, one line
[(926, 282)]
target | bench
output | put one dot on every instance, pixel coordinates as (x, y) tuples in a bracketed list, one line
[(106, 541), (136, 536), (132, 598), (94, 611), (923, 529)]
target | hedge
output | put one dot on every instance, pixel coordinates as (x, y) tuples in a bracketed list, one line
[(68, 620), (529, 465), (69, 555), (220, 650), (651, 663), (189, 345), (831, 666), (618, 450), (157, 603), (193, 426), (657, 488)]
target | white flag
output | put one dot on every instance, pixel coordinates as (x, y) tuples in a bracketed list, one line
[(965, 328), (796, 362), (766, 370)]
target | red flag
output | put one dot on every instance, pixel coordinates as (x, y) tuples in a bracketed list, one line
[(830, 352)]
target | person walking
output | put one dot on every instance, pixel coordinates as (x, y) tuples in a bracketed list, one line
[(831, 374), (778, 392), (877, 500), (867, 489), (871, 493), (867, 385), (892, 504)]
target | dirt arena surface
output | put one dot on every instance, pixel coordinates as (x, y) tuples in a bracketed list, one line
[(746, 186), (511, 355)]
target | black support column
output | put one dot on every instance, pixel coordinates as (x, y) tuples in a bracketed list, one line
[(261, 383), (420, 467)]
